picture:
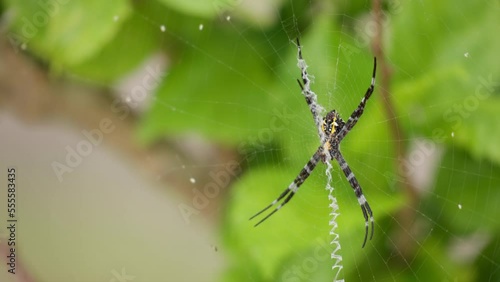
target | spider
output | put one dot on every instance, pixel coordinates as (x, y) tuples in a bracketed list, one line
[(331, 129)]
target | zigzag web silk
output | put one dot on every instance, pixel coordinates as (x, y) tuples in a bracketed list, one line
[(318, 112)]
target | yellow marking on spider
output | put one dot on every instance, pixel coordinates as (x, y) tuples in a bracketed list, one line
[(334, 125)]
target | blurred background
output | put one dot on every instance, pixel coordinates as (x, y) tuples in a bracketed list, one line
[(144, 134)]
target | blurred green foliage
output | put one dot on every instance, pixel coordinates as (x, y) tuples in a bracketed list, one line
[(230, 80)]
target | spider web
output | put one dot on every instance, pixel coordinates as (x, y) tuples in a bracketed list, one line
[(442, 236), (233, 83)]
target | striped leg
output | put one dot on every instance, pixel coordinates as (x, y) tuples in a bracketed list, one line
[(293, 187), (311, 98), (365, 207), (353, 119)]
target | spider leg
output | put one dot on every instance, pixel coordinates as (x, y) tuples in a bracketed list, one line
[(309, 95), (365, 207), (353, 119), (292, 188)]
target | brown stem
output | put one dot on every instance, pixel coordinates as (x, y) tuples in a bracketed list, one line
[(407, 215)]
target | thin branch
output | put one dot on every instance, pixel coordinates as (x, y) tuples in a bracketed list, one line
[(407, 215)]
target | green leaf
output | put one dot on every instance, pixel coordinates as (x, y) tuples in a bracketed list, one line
[(259, 13), (430, 263), (226, 100), (310, 264), (265, 244), (122, 54), (422, 30), (67, 32), (242, 269), (299, 224), (487, 262), (466, 191), (449, 80), (197, 8)]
